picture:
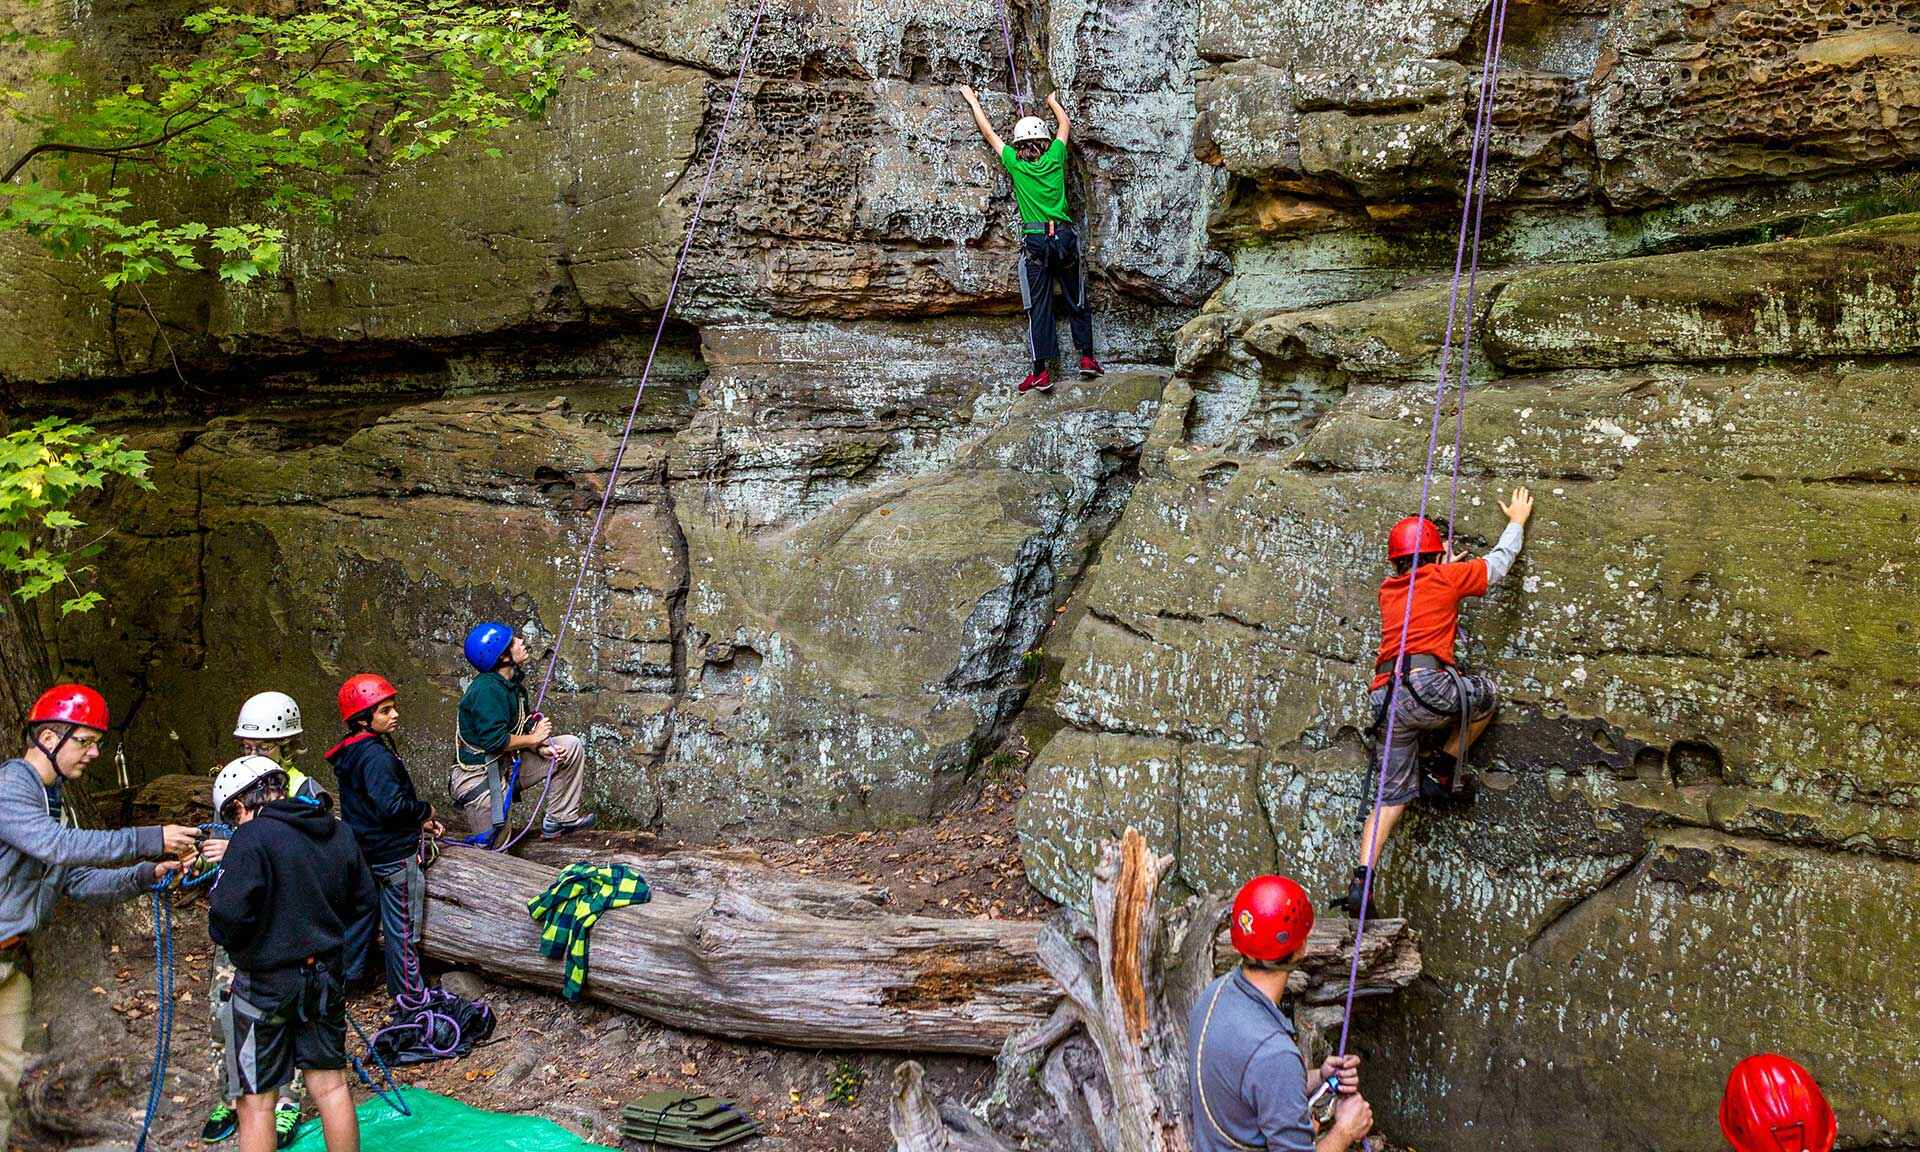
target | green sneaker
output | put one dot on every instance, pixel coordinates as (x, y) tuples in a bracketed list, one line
[(221, 1123), (286, 1123)]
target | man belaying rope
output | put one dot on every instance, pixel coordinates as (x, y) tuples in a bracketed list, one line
[(1471, 209), (43, 859), (1050, 258), (633, 412), (378, 802), (292, 883), (1251, 1089), (496, 730)]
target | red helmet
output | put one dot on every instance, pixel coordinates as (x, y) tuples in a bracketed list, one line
[(1271, 919), (1414, 536), (70, 704), (1773, 1105), (362, 692)]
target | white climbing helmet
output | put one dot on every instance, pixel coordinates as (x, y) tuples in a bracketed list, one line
[(238, 776), (268, 716), (1030, 128)]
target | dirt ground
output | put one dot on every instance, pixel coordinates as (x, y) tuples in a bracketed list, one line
[(578, 1063)]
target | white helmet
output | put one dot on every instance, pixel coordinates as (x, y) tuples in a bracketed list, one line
[(268, 716), (238, 776), (1030, 128)]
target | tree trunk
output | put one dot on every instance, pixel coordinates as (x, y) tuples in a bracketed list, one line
[(733, 948), (756, 955), (1107, 1072)]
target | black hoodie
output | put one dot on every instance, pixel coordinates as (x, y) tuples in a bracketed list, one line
[(377, 799), (290, 885)]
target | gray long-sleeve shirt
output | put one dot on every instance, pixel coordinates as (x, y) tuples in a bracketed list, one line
[(1244, 1059), (1505, 552), (41, 859)]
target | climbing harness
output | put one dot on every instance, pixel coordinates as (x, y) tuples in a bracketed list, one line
[(1472, 209), (161, 895), (633, 414), (1460, 710)]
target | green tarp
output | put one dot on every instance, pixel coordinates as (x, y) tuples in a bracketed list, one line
[(440, 1124)]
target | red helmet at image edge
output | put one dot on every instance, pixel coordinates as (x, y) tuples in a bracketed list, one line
[(362, 692), (1271, 919), (1773, 1105), (70, 704), (1414, 536)]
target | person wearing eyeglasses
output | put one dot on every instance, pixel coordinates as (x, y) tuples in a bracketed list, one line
[(43, 857)]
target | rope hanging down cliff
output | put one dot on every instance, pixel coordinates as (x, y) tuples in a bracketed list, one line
[(633, 413), (1466, 265)]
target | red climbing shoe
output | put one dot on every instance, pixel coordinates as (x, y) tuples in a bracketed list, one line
[(1041, 381), (1090, 368)]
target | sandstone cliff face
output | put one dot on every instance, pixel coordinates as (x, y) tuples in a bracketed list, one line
[(1697, 836), (839, 536), (836, 536)]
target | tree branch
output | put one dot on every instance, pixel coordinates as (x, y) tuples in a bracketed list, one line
[(46, 146)]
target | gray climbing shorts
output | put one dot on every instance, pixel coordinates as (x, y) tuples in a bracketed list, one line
[(1423, 718)]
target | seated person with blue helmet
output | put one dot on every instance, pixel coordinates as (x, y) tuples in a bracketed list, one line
[(496, 728)]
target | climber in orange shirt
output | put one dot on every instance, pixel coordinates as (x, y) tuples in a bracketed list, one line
[(1434, 694)]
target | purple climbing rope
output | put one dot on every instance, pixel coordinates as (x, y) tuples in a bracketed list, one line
[(1483, 136), (633, 413), (1469, 226), (1020, 97)]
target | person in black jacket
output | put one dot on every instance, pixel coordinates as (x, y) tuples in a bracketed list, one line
[(291, 883), (378, 802)]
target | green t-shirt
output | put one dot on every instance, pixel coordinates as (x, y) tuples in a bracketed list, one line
[(1040, 186)]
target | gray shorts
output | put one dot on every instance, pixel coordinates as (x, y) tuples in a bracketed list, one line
[(1426, 716)]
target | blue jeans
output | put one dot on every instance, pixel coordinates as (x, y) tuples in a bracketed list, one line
[(402, 899)]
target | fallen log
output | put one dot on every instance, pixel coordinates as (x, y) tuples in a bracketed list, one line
[(732, 948), (739, 957)]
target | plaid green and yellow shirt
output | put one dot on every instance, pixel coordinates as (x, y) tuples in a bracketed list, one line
[(571, 905)]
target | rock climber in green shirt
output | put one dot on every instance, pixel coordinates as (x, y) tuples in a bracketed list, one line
[(1036, 162)]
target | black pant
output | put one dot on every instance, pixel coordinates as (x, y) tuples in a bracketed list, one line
[(394, 918), (1048, 262)]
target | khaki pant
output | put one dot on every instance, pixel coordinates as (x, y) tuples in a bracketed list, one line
[(16, 1006), (563, 795)]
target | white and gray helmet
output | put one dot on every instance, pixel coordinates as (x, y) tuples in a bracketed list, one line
[(1030, 128), (238, 776), (268, 716)]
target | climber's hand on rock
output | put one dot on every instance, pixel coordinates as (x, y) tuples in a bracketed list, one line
[(1520, 509), (967, 92), (1343, 1072)]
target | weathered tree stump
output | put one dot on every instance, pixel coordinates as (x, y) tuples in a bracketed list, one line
[(1107, 1071)]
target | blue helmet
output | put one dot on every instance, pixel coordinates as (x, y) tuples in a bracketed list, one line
[(486, 643)]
